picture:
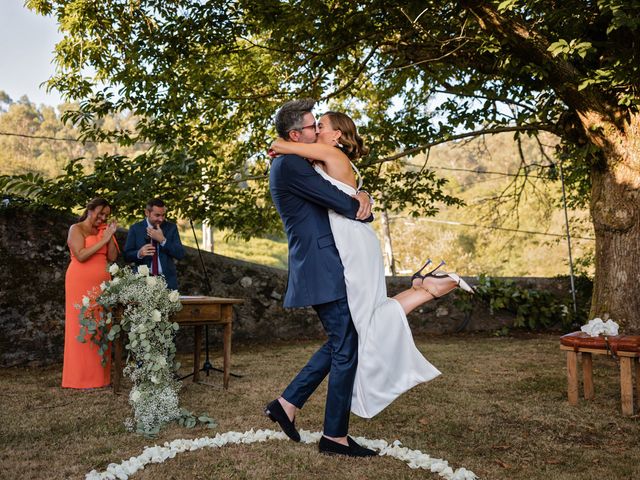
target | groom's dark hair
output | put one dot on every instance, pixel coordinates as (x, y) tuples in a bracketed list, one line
[(289, 117)]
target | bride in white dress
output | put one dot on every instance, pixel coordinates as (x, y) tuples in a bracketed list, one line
[(389, 363)]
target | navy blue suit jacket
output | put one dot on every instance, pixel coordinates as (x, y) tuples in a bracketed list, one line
[(171, 250), (302, 198)]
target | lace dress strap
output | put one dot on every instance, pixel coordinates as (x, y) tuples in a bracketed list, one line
[(355, 169)]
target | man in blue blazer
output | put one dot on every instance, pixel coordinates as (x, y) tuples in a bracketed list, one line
[(316, 278), (154, 242)]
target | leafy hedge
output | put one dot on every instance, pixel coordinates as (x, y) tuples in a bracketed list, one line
[(534, 309)]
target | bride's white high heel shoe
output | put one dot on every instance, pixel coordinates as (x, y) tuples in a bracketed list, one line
[(418, 280)]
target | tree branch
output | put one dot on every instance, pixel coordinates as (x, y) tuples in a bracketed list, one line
[(452, 91), (477, 133), (354, 77), (532, 47), (429, 60)]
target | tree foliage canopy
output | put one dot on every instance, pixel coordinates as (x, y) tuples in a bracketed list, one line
[(204, 79)]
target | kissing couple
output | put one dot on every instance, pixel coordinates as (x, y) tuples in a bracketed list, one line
[(336, 267)]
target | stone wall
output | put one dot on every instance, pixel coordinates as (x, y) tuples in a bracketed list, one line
[(34, 258)]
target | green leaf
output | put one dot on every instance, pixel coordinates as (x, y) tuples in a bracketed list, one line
[(506, 5), (556, 48), (585, 83)]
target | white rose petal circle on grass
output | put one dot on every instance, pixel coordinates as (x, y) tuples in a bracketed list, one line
[(159, 454)]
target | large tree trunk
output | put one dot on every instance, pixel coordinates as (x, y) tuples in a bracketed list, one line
[(615, 209), (615, 194)]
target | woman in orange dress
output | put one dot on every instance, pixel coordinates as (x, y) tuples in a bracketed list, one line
[(92, 244)]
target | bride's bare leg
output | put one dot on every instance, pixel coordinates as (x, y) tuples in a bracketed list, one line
[(414, 297)]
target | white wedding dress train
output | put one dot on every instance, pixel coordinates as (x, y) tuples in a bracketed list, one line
[(389, 363)]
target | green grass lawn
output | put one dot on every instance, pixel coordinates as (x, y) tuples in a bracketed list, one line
[(499, 409)]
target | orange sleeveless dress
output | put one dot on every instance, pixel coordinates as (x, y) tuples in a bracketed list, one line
[(82, 367)]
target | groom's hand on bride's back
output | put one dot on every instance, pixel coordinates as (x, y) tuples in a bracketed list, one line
[(364, 211)]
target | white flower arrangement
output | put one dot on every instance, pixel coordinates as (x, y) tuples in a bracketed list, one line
[(143, 271), (597, 327), (158, 454), (147, 305)]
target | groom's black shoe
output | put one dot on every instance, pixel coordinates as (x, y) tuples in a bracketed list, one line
[(277, 414), (329, 447)]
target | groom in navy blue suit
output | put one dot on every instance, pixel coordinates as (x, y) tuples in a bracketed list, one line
[(316, 279), (154, 242)]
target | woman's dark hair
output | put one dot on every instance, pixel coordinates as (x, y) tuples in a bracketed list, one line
[(352, 144), (92, 205)]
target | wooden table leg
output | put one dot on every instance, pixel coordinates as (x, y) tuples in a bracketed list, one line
[(116, 371), (626, 385), (226, 363), (587, 375), (572, 377), (227, 316), (197, 339)]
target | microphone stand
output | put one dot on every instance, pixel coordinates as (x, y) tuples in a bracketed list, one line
[(207, 366)]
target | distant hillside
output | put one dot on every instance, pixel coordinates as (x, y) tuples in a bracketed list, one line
[(28, 134), (265, 251), (471, 249)]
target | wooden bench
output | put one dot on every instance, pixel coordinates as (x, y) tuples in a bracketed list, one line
[(624, 347), (196, 312)]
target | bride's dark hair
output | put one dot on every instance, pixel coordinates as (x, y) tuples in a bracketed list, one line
[(353, 145)]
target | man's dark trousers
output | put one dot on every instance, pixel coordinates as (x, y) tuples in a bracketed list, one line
[(338, 355)]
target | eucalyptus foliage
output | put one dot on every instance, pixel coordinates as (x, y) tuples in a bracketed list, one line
[(145, 305)]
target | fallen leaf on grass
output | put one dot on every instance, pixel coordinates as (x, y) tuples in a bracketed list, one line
[(502, 464)]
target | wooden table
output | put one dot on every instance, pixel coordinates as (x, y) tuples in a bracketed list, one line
[(197, 312), (627, 361)]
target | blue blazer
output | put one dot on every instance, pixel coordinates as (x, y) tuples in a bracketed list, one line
[(171, 250), (302, 197)]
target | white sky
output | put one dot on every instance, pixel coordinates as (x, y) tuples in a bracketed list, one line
[(26, 52)]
